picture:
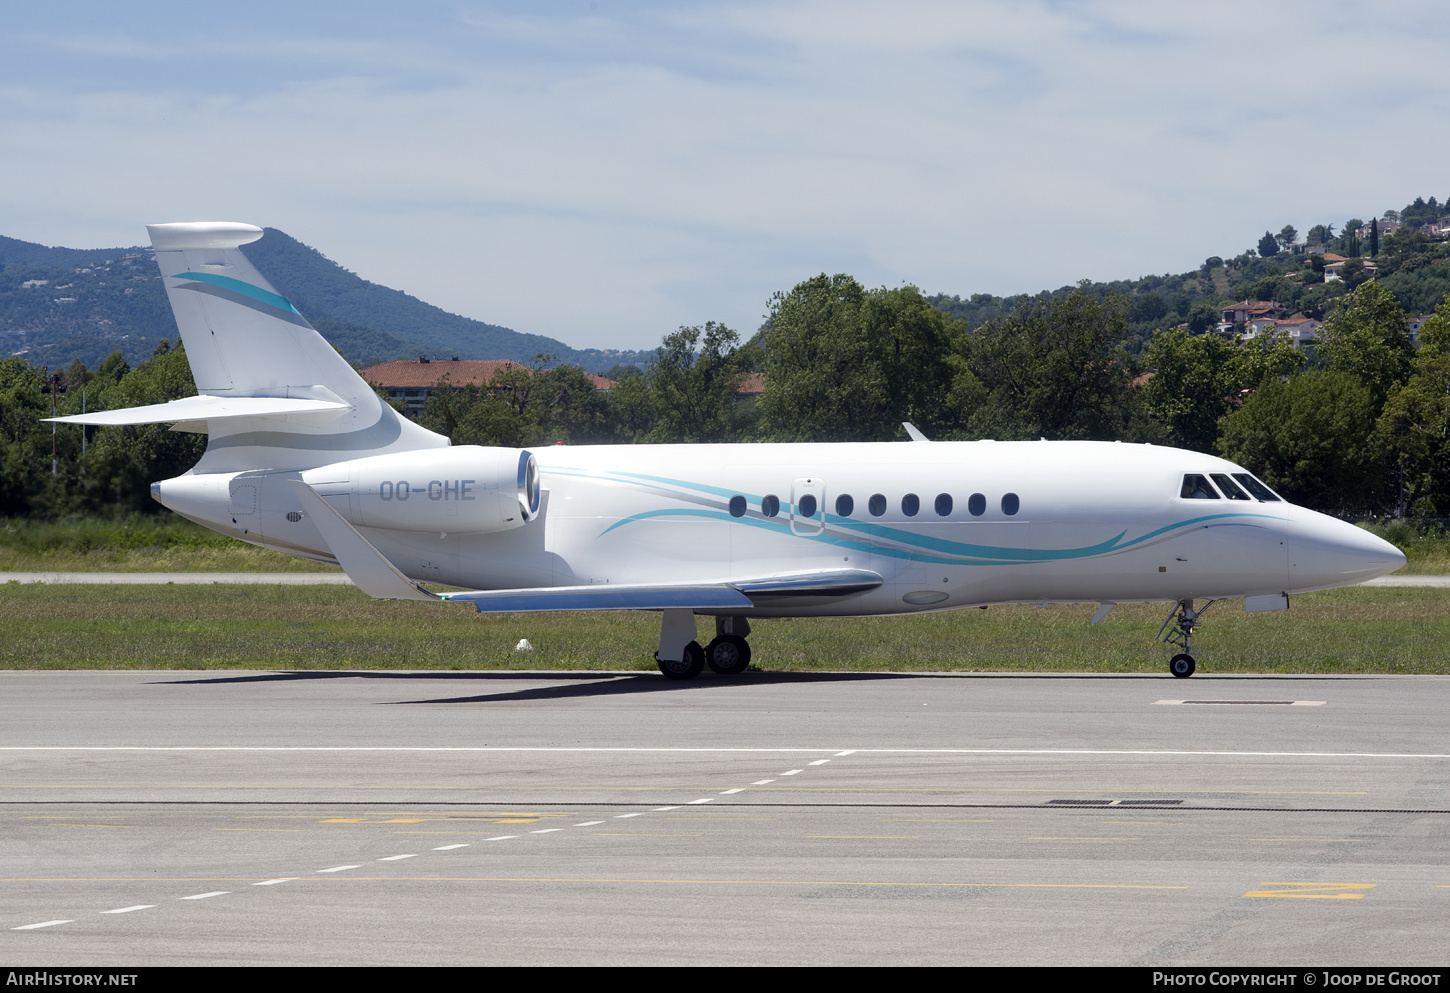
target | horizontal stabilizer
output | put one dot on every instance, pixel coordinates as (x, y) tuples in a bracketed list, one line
[(202, 408), (364, 564)]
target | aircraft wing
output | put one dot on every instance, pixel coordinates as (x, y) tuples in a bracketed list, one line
[(772, 591), (377, 577)]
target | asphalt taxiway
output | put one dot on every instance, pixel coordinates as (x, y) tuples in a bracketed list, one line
[(570, 818)]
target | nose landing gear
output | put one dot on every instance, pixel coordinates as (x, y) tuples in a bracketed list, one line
[(1182, 618)]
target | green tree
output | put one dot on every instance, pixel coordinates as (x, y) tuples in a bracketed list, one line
[(1310, 439), (846, 364), (1054, 369), (1268, 245), (1193, 385), (1368, 337), (1414, 426), (694, 394)]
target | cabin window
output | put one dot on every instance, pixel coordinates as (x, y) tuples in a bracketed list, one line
[(1257, 488), (910, 504), (844, 505), (770, 505), (1196, 487), (1229, 488), (807, 506), (737, 506), (1010, 504), (877, 504), (943, 504), (976, 505)]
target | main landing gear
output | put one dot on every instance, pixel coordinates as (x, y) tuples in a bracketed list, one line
[(681, 657), (1183, 618)]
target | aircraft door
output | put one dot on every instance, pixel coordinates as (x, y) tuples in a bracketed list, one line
[(808, 506), (245, 493)]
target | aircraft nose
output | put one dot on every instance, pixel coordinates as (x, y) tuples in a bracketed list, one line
[(1325, 552)]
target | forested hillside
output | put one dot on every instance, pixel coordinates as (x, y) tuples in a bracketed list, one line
[(60, 305)]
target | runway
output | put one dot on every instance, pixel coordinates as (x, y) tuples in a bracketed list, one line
[(155, 818)]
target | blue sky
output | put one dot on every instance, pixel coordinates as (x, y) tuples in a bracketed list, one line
[(605, 172)]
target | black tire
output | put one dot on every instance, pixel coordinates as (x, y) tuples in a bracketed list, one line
[(1181, 666), (688, 667), (729, 654)]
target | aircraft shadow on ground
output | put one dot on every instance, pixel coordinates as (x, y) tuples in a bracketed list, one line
[(573, 685)]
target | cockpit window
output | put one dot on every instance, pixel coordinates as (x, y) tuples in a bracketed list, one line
[(1196, 487), (1257, 488), (1229, 487)]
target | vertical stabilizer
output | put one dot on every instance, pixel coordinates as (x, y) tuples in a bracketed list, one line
[(244, 339)]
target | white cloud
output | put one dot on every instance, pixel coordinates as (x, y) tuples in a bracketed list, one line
[(603, 178)]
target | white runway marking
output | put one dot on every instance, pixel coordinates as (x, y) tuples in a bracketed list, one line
[(705, 800), (546, 830), (762, 782), (394, 858), (207, 896), (274, 882), (1167, 752), (449, 848), (589, 824), (501, 837), (636, 814), (818, 762), (658, 809), (339, 868), (792, 772), (849, 751), (728, 792), (32, 927), (127, 910)]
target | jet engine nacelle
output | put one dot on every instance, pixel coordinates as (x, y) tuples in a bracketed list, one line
[(465, 490)]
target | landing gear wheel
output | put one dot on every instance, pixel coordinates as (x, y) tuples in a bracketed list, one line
[(1181, 666), (686, 668), (728, 654)]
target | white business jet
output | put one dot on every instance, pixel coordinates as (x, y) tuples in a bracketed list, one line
[(303, 457)]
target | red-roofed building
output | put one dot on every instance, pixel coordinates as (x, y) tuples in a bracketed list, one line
[(413, 381)]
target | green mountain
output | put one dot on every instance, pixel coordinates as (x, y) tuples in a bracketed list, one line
[(62, 304)]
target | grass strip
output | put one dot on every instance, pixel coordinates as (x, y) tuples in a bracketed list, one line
[(1355, 630)]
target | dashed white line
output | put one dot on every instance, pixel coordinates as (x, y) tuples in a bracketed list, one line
[(501, 837), (659, 809), (339, 868), (394, 858), (546, 831), (449, 848), (792, 772), (635, 814), (818, 762), (728, 792), (274, 882), (762, 782), (589, 824), (850, 751), (32, 927), (705, 800), (127, 910), (207, 896)]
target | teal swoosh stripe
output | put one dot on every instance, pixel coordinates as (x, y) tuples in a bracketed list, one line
[(245, 289), (942, 546)]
